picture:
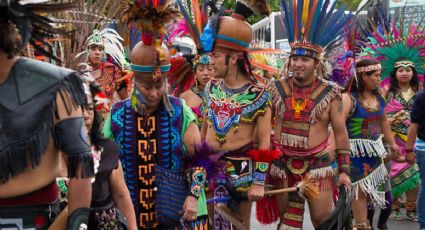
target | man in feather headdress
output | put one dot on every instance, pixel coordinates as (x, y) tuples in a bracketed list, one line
[(237, 110), (305, 105), (105, 57), (156, 132), (40, 116)]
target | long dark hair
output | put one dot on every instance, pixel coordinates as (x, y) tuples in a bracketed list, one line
[(359, 86), (414, 82), (95, 133), (9, 39), (244, 66)]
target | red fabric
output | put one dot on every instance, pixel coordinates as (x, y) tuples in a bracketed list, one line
[(267, 210), (265, 156), (46, 195)]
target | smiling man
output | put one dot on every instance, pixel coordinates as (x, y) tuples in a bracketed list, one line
[(305, 105)]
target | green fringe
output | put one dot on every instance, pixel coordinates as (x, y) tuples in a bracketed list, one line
[(405, 186)]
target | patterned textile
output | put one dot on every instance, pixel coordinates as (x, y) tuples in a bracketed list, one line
[(226, 108), (157, 140), (106, 80), (367, 170), (105, 219), (295, 131), (199, 111), (404, 176)]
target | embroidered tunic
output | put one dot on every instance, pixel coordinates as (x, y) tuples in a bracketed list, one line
[(367, 170), (226, 108), (295, 132), (147, 143), (198, 111), (404, 176)]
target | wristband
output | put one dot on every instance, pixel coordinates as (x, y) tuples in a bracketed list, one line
[(196, 178), (259, 175), (343, 158)]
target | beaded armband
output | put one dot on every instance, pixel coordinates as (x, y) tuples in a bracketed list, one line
[(197, 178), (261, 159), (343, 158), (259, 175)]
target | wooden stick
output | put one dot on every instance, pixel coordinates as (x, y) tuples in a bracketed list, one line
[(228, 214), (283, 190)]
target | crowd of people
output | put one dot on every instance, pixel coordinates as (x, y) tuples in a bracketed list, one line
[(148, 138)]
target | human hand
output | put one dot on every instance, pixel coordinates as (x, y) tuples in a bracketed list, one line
[(411, 157), (344, 179), (256, 192), (395, 151), (190, 209)]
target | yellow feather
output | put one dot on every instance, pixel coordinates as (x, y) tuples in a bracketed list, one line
[(305, 12)]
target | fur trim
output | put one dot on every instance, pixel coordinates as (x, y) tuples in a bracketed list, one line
[(265, 156), (258, 6)]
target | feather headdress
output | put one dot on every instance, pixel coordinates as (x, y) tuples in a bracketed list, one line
[(400, 45), (111, 41), (311, 25), (33, 27), (151, 16)]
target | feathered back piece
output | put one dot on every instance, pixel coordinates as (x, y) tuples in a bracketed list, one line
[(151, 16), (196, 18), (33, 27), (311, 25), (111, 41), (401, 45)]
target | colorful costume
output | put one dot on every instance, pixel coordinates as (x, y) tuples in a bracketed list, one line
[(298, 108), (109, 75), (397, 47), (368, 172), (298, 160), (151, 144), (404, 176), (30, 122)]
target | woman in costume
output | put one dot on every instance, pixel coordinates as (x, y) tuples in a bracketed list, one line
[(194, 97), (366, 123), (401, 54), (111, 206), (195, 20)]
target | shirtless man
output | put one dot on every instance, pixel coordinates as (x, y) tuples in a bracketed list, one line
[(41, 115), (235, 107), (305, 105)]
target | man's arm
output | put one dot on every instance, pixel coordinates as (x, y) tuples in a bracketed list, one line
[(338, 114), (80, 188), (412, 132), (264, 129)]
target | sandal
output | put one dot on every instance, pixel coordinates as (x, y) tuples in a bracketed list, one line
[(396, 215), (411, 211)]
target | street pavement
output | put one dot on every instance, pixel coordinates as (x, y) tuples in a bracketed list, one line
[(392, 225)]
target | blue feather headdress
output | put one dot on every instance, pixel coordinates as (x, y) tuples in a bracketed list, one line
[(311, 25)]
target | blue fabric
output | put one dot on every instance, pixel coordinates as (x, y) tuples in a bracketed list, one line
[(420, 157), (233, 40), (418, 113), (363, 124), (149, 69)]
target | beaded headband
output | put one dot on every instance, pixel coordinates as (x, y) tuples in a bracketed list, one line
[(404, 64), (365, 69)]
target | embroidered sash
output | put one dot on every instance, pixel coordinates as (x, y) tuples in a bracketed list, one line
[(295, 132)]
